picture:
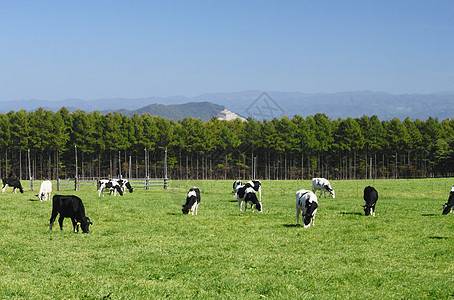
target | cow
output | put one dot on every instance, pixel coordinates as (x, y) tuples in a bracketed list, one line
[(45, 190), (15, 183), (306, 205), (124, 184), (246, 193), (70, 207), (111, 185), (192, 202), (235, 184), (323, 185), (447, 207), (370, 197), (257, 186)]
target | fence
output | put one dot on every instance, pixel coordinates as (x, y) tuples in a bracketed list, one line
[(76, 183)]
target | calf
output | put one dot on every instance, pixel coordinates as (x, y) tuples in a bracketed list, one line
[(247, 194), (70, 207), (306, 205), (447, 207), (45, 190), (235, 184), (370, 197), (323, 185), (15, 183), (192, 201), (111, 185)]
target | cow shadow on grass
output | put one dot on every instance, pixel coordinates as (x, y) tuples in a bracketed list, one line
[(438, 237), (430, 215), (291, 225), (350, 213)]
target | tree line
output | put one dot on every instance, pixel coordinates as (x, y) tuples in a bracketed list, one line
[(45, 144)]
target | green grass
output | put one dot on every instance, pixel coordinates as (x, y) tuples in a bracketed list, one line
[(141, 246)]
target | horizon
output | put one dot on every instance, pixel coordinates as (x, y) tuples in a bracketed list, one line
[(97, 50)]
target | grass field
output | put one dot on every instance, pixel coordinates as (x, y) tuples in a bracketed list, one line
[(141, 246)]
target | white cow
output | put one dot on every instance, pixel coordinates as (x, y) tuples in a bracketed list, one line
[(45, 190), (323, 185), (306, 205)]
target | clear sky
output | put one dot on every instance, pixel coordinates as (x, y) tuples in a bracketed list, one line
[(91, 49)]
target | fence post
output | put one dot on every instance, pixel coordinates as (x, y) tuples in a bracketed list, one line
[(76, 183), (58, 184), (31, 183), (165, 183), (147, 183)]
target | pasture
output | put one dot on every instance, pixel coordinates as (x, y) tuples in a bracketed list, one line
[(141, 246)]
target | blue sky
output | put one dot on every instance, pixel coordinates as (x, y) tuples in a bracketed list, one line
[(86, 49)]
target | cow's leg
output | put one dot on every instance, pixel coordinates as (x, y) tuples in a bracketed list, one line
[(313, 216), (75, 225), (52, 219), (60, 221), (298, 216), (240, 204), (4, 188), (196, 206), (14, 190)]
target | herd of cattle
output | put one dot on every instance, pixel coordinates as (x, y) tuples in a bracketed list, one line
[(69, 206)]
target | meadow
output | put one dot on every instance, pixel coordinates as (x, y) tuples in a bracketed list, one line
[(141, 246)]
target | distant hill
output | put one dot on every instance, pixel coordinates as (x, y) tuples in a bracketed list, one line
[(203, 110), (260, 105)]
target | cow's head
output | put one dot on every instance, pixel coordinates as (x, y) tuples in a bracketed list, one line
[(446, 208), (258, 206), (129, 187), (330, 191), (367, 209), (85, 224), (185, 209)]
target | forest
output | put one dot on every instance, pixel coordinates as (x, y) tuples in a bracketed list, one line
[(46, 144)]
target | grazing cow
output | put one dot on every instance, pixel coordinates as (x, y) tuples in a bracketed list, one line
[(124, 184), (247, 194), (192, 202), (15, 183), (111, 185), (70, 207), (45, 190), (306, 205), (370, 197), (235, 184), (323, 185), (257, 186), (447, 207)]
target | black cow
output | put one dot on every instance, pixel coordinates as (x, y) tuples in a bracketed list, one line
[(69, 207), (247, 194), (192, 201), (15, 183), (448, 205), (371, 197)]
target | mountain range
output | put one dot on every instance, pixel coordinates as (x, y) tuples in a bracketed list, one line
[(263, 105)]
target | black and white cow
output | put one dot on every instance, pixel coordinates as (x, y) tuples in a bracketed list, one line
[(306, 206), (192, 202), (111, 185), (70, 207), (257, 186), (15, 183), (235, 184), (447, 207), (370, 197), (323, 185), (124, 184), (246, 193)]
